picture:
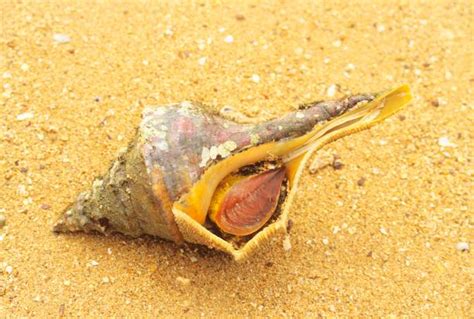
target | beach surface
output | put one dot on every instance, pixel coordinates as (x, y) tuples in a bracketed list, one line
[(388, 233)]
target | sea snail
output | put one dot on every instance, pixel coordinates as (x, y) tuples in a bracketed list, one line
[(197, 177)]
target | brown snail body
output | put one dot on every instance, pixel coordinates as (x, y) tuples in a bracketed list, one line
[(167, 182)]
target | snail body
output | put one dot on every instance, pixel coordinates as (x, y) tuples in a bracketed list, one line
[(197, 177)]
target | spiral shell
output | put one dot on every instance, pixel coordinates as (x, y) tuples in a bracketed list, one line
[(163, 183)]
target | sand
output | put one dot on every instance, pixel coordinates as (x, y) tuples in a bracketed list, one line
[(76, 76)]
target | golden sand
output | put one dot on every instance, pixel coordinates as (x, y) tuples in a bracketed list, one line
[(382, 235)]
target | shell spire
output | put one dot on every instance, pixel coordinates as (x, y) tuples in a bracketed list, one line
[(163, 183)]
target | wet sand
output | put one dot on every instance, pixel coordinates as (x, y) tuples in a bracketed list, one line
[(382, 236)]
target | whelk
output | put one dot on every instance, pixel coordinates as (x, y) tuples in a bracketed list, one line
[(197, 177)]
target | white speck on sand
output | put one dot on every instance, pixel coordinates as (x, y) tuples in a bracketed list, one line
[(462, 246), (255, 78), (61, 38), (331, 91), (202, 60), (25, 116), (445, 142)]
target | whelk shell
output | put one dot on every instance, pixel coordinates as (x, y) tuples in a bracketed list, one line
[(185, 167)]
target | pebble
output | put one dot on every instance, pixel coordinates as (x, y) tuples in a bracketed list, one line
[(435, 102), (445, 142), (375, 170), (229, 39), (202, 60), (67, 283), (380, 28), (337, 164), (287, 244), (361, 181), (24, 67), (3, 221), (45, 206), (183, 281), (255, 78), (105, 280), (325, 241), (25, 116), (8, 269), (61, 38), (168, 32), (331, 90), (383, 231), (322, 160), (93, 263), (193, 259), (462, 246)]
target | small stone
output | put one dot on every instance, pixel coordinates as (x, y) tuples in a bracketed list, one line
[(350, 67), (337, 43), (229, 39), (380, 28), (67, 283), (24, 67), (361, 181), (9, 269), (25, 116), (287, 244), (239, 17), (337, 164), (61, 38), (37, 298), (331, 90), (462, 246), (3, 221), (375, 170), (383, 231), (322, 160), (93, 263), (183, 281), (445, 142), (193, 259), (202, 60), (255, 78), (105, 280), (45, 206), (325, 241), (168, 32)]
